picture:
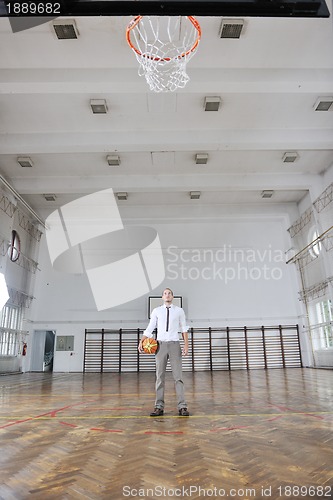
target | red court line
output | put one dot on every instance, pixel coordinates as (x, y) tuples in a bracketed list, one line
[(69, 425), (164, 432), (230, 428), (314, 416), (113, 409), (105, 430), (52, 413), (16, 422), (284, 408), (275, 418)]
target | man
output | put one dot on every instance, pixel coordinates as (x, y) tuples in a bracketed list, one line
[(169, 320)]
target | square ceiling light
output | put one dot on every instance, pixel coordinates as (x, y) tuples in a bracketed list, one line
[(290, 157), (25, 161), (122, 196), (65, 29), (98, 106), (212, 103), (195, 195), (231, 28), (113, 160), (50, 197), (201, 158), (323, 104), (267, 193)]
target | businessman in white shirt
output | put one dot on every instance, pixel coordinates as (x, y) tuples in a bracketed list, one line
[(169, 321)]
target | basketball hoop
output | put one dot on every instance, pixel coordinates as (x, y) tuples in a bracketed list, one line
[(163, 46)]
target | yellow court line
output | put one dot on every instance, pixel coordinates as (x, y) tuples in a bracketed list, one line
[(124, 394), (114, 417)]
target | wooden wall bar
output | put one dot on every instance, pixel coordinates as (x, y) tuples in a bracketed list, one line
[(227, 348)]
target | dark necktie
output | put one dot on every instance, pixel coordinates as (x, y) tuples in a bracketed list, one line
[(167, 322)]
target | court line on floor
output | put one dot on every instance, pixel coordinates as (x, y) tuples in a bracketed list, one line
[(51, 415)]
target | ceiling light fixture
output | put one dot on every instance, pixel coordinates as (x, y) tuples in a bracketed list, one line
[(231, 28), (25, 161), (267, 193), (212, 103), (323, 104), (290, 157), (201, 158), (98, 106), (50, 197), (195, 195), (113, 160), (65, 29), (122, 196)]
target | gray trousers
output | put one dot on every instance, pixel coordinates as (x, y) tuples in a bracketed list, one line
[(172, 351)]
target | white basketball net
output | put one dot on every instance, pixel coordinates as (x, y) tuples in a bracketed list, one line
[(163, 46)]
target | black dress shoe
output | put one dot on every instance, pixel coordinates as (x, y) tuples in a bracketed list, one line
[(157, 412), (183, 412)]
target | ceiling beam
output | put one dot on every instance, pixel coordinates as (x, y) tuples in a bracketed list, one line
[(123, 80), (162, 140), (165, 183)]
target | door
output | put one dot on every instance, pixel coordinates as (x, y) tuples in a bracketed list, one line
[(42, 351)]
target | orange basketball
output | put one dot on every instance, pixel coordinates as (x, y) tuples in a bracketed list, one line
[(150, 346)]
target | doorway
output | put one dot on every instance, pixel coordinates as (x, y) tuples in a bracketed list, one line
[(42, 351)]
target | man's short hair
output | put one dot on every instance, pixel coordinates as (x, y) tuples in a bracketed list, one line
[(167, 289)]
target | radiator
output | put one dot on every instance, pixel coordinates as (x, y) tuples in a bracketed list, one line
[(324, 358)]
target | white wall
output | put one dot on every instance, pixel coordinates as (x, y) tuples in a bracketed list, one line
[(230, 270), (315, 272), (18, 275)]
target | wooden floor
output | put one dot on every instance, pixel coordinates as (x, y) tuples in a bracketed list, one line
[(257, 434)]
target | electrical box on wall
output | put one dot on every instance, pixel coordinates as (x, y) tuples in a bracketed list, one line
[(65, 343)]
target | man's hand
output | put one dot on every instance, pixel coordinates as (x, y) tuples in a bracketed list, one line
[(140, 349), (185, 348), (185, 351)]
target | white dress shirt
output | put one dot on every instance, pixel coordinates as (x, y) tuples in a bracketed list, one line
[(177, 323)]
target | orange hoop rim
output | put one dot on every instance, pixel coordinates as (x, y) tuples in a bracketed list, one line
[(136, 21)]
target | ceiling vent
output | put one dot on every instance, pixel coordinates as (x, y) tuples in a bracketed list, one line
[(290, 157), (25, 161), (201, 158), (267, 193), (50, 197), (65, 29), (212, 103), (113, 160), (122, 196), (98, 106), (195, 195), (231, 28), (323, 104)]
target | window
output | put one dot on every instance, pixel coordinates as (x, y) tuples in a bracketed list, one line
[(314, 249), (10, 326), (11, 317), (15, 247), (325, 318)]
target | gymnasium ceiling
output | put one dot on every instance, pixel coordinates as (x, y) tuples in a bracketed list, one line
[(268, 80)]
